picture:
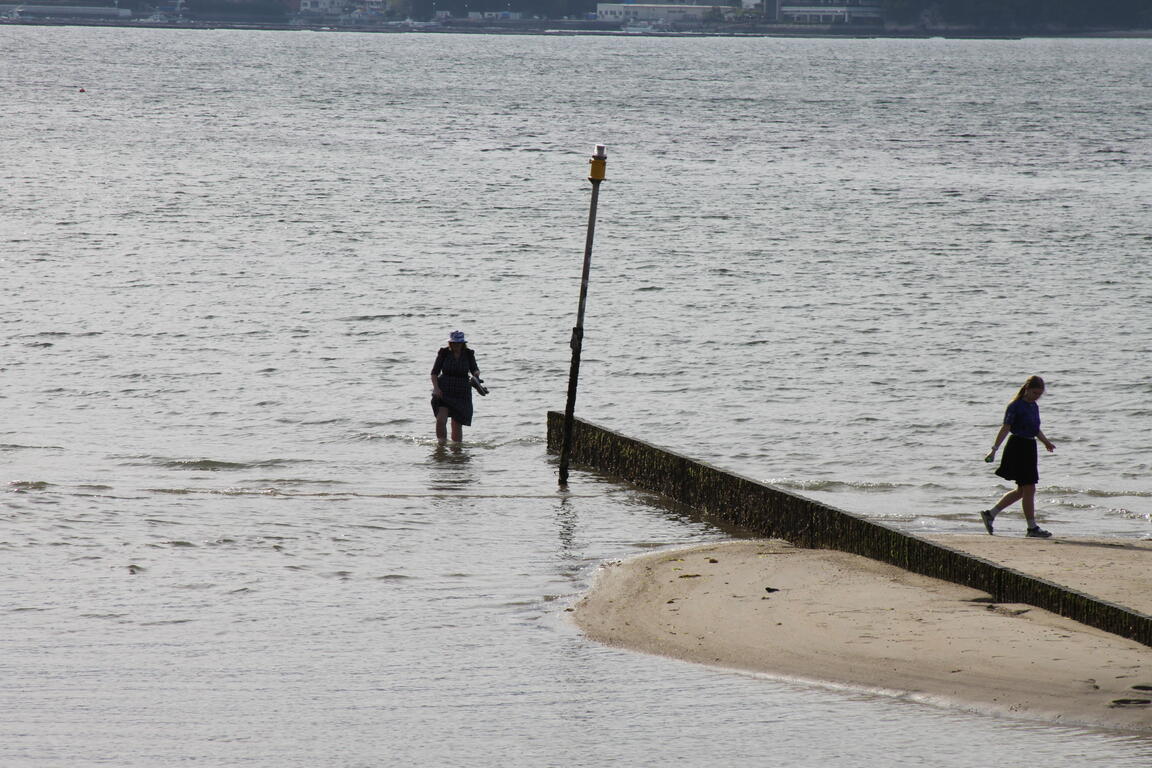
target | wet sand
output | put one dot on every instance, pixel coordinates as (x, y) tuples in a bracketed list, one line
[(826, 616)]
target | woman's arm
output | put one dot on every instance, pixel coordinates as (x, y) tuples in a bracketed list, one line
[(1004, 430), (436, 373), (1051, 446)]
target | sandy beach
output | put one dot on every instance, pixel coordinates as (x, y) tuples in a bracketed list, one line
[(826, 616)]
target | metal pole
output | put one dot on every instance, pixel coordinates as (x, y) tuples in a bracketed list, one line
[(598, 162)]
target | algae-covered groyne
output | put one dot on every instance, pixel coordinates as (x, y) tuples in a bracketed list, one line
[(772, 512)]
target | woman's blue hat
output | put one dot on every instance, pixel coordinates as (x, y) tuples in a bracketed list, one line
[(456, 337)]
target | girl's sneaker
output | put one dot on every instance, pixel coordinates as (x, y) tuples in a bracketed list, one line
[(1038, 533)]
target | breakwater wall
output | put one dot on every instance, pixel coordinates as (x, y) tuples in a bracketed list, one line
[(775, 513)]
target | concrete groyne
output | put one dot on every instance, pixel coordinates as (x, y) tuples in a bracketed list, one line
[(771, 512)]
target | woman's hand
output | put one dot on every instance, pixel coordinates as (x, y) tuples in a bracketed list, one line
[(990, 457), (1049, 445)]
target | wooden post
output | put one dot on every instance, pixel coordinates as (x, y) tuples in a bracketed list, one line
[(596, 173)]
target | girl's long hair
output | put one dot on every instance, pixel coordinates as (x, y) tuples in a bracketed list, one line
[(1034, 382)]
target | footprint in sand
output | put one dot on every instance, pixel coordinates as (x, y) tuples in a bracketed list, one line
[(1123, 703)]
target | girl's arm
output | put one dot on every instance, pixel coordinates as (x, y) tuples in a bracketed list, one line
[(1004, 430), (1051, 446)]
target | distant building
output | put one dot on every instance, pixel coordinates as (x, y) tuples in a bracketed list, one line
[(674, 2), (61, 11), (825, 12), (667, 13), (323, 7), (495, 15)]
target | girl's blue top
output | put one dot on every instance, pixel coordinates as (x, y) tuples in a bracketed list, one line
[(1023, 418)]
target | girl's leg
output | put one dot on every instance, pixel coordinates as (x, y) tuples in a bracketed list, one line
[(1028, 502), (457, 431), (1010, 498), (442, 425)]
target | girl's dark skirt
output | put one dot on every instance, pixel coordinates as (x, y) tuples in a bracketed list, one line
[(457, 398), (1018, 462)]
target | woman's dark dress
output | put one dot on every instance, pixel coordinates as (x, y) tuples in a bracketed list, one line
[(456, 391), (1018, 462)]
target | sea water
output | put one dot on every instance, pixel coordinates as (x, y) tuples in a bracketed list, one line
[(229, 537)]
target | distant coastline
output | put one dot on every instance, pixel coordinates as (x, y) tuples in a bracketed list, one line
[(562, 27)]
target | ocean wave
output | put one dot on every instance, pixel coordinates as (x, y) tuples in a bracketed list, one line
[(19, 447), (833, 486), (225, 492), (29, 485), (1097, 493), (206, 464)]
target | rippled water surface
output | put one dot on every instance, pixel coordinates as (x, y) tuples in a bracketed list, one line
[(228, 536)]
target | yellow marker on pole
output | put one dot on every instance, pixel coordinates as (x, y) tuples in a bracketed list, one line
[(596, 171), (599, 163)]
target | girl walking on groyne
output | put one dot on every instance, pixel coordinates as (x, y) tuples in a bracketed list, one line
[(1018, 463)]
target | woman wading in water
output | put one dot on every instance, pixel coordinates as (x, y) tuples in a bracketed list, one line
[(1018, 462), (452, 388)]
